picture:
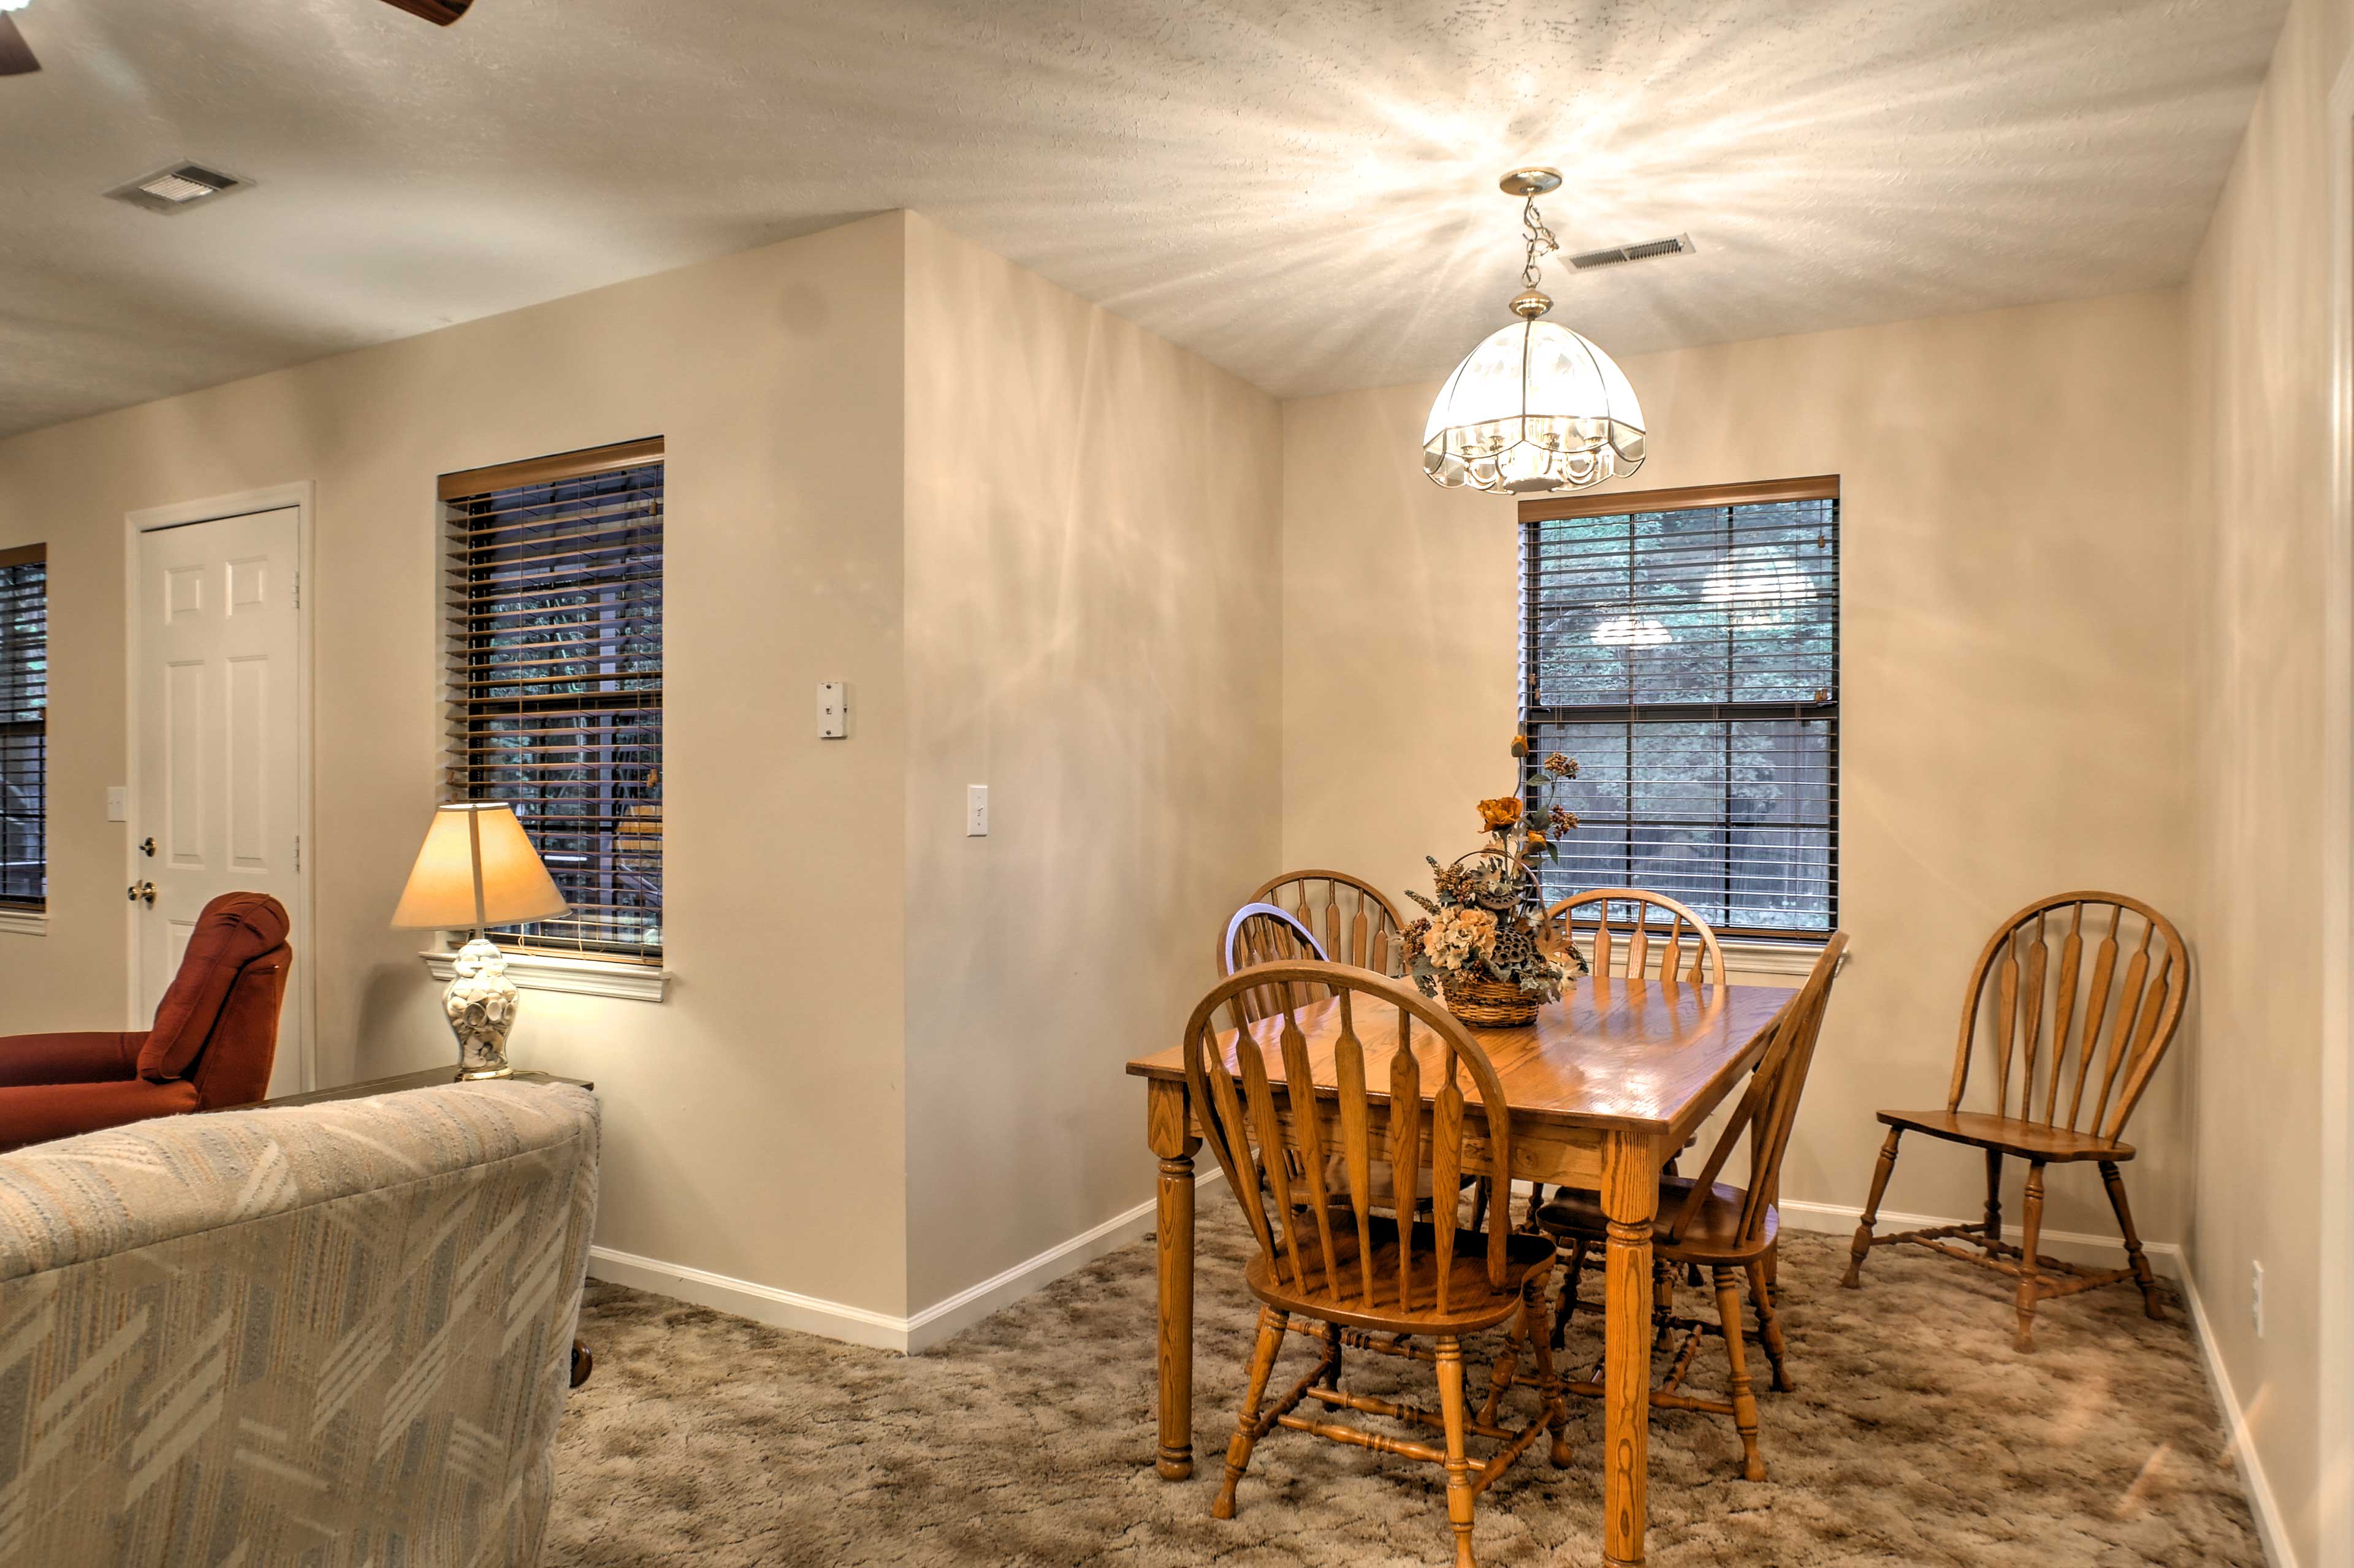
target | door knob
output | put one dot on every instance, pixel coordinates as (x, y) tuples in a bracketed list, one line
[(147, 846), (139, 892)]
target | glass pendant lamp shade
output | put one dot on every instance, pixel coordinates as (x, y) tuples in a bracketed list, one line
[(1535, 408)]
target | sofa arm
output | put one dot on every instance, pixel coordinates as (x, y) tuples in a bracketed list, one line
[(87, 1058)]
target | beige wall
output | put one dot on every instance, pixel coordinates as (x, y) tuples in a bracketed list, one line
[(2259, 309), (1092, 567), (2014, 717), (753, 1122)]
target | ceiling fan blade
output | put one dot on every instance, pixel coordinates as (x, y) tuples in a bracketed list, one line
[(15, 55), (440, 12)]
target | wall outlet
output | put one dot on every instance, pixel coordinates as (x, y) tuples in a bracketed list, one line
[(832, 710), (2256, 1296), (976, 811)]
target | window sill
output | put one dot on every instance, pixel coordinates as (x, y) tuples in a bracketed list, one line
[(581, 977), (25, 922), (1767, 955)]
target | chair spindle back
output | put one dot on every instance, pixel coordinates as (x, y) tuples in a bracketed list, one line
[(1769, 1107), (1649, 923), (1265, 933), (1355, 923), (2082, 993), (1254, 1081)]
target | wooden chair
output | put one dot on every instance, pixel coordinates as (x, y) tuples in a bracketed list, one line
[(1718, 1227), (1625, 946), (1264, 934), (1333, 1259), (2095, 1012), (1352, 921)]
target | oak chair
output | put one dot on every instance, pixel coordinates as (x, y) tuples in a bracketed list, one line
[(2087, 990), (1261, 933), (1721, 1228), (1625, 945), (1353, 922), (1369, 1280)]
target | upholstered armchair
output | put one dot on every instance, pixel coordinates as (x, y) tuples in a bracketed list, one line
[(212, 1044), (335, 1333)]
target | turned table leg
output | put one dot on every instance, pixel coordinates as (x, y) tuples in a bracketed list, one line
[(1630, 1195), (1167, 1129)]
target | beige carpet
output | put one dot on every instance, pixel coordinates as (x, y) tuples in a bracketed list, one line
[(1915, 1436)]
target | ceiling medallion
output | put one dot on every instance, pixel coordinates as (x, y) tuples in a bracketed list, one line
[(1536, 409)]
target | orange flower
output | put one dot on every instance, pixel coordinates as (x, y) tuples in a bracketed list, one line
[(1520, 745), (1536, 841), (1500, 813)]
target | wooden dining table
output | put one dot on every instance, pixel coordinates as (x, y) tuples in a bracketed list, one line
[(1602, 1090)]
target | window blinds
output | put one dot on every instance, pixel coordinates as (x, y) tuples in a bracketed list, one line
[(1683, 647), (556, 681), (24, 727)]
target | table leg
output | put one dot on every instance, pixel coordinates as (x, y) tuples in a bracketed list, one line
[(1630, 1195), (1168, 1129)]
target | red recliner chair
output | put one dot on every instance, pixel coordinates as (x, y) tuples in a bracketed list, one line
[(215, 1037)]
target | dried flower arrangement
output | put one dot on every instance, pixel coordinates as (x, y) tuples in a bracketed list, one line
[(1483, 943)]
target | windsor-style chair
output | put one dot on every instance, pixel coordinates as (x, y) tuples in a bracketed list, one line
[(1352, 921), (1262, 933), (2096, 1028), (1331, 1257), (1626, 946), (1719, 1227)]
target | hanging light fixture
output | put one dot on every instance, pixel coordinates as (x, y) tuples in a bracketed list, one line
[(1536, 408)]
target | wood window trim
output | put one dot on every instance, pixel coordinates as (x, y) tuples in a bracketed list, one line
[(548, 469), (25, 556), (1815, 487)]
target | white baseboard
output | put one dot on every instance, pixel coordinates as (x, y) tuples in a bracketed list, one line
[(2069, 1246), (2270, 1530), (859, 1325)]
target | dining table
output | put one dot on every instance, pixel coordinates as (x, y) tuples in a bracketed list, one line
[(1602, 1090)]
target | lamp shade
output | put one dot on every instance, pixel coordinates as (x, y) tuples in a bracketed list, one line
[(477, 868), (1535, 409)]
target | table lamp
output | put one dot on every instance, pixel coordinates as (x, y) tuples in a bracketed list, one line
[(477, 869)]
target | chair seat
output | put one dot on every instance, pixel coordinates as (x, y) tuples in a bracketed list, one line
[(1471, 1302), (2027, 1139), (1714, 1236)]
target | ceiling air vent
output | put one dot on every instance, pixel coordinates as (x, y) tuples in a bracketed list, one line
[(177, 187), (1619, 255)]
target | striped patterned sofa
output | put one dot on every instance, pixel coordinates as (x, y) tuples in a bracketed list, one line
[(332, 1334)]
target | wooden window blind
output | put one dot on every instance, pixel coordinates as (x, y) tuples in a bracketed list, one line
[(1683, 646), (556, 681), (24, 727)]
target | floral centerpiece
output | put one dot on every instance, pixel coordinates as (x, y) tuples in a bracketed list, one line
[(1483, 944)]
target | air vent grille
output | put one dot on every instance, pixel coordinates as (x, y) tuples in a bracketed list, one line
[(1619, 255), (177, 187)]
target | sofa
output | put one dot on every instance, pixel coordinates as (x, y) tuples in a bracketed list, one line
[(331, 1334), (212, 1044)]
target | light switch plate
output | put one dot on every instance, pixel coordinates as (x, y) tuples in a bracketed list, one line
[(118, 803), (976, 811), (832, 710)]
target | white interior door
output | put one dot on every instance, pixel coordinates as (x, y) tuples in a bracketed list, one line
[(217, 769)]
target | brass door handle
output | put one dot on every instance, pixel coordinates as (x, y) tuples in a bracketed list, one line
[(147, 846), (141, 891)]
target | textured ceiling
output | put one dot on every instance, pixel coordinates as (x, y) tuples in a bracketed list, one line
[(1303, 192)]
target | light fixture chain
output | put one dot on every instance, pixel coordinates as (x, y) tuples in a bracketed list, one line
[(1540, 239)]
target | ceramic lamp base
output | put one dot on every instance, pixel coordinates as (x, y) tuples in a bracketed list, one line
[(481, 1006)]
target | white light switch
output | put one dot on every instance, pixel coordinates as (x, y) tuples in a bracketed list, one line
[(976, 811), (832, 710), (118, 803)]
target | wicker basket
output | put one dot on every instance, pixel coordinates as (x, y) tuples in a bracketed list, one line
[(1488, 1003)]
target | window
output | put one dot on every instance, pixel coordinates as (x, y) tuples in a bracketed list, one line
[(24, 727), (556, 681), (1683, 647)]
